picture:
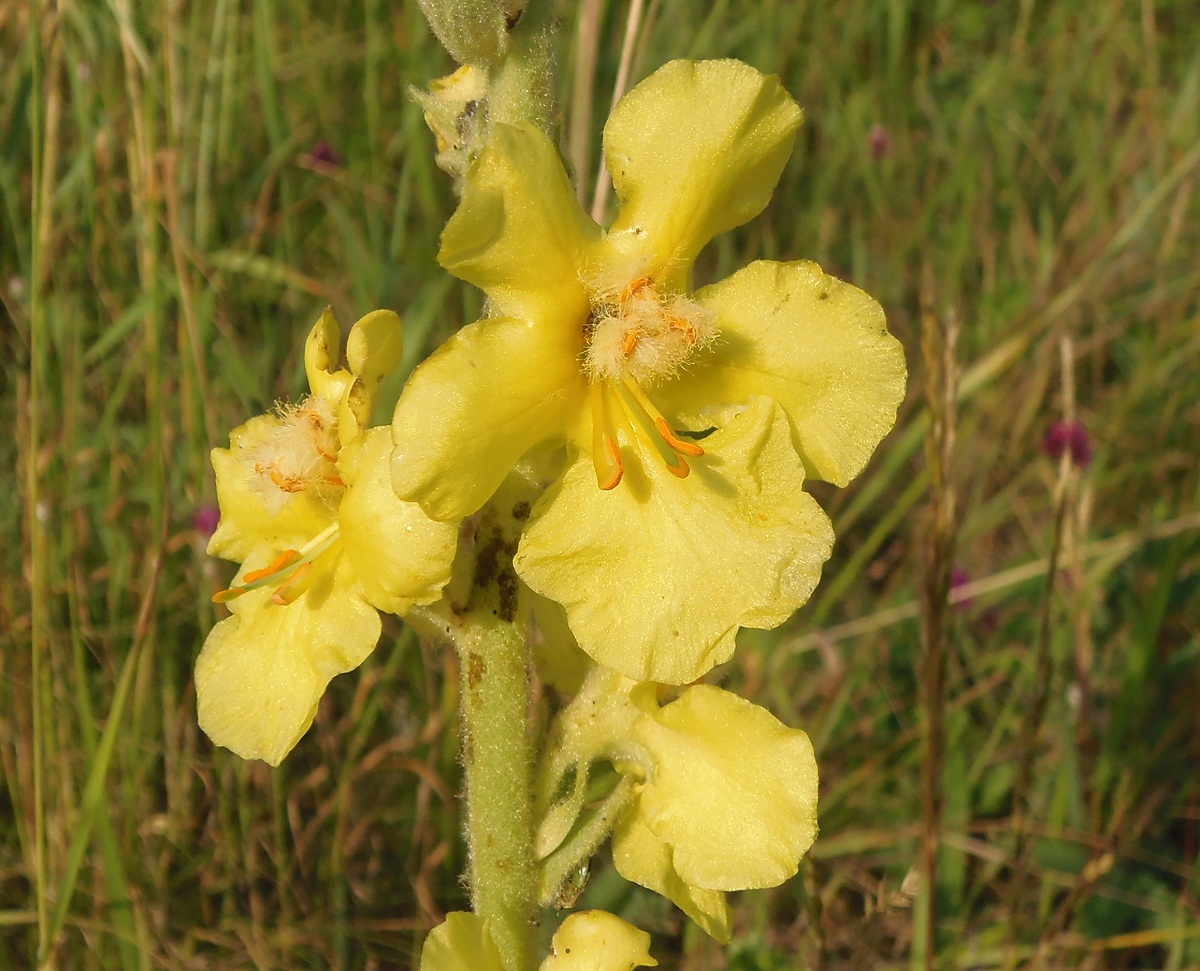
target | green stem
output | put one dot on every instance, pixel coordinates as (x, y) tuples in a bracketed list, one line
[(493, 658)]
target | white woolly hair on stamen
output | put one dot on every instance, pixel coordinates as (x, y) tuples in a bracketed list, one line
[(666, 347), (299, 449), (609, 280), (604, 357)]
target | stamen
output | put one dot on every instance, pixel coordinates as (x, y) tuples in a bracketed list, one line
[(284, 569), (673, 460), (669, 436), (289, 590), (606, 453), (284, 559)]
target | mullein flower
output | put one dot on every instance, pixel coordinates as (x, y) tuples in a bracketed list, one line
[(595, 940), (307, 508), (692, 418), (591, 940), (719, 795)]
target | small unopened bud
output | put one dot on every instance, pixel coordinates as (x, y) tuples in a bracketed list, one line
[(473, 31), (455, 110)]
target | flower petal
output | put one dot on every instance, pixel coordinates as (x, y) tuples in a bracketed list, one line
[(594, 940), (262, 671), (247, 522), (484, 398), (518, 233), (322, 351), (734, 794), (695, 150), (400, 556), (644, 859), (373, 350), (461, 943), (657, 574), (818, 346)]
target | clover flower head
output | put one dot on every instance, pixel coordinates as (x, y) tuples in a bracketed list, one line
[(691, 418), (307, 509), (1072, 437)]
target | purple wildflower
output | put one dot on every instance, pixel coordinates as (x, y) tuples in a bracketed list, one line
[(879, 142), (205, 519), (960, 578), (1072, 436), (324, 154)]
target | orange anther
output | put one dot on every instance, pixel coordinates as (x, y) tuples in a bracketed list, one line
[(629, 342), (281, 597), (287, 483), (282, 561), (668, 436), (681, 470), (613, 452), (681, 323), (634, 286)]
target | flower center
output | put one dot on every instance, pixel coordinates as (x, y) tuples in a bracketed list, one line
[(300, 455), (297, 454), (637, 336)]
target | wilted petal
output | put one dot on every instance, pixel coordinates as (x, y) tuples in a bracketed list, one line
[(818, 346), (400, 556), (483, 399), (657, 574), (694, 150), (593, 940)]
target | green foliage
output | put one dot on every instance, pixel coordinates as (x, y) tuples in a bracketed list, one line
[(1037, 166)]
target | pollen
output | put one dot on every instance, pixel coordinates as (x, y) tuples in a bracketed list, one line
[(637, 331), (299, 454)]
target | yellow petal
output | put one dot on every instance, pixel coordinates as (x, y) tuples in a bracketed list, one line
[(693, 151), (734, 794), (247, 522), (484, 398), (461, 943), (400, 556), (818, 346), (657, 574), (518, 233), (322, 351), (643, 858), (373, 350), (263, 670), (593, 940), (560, 662)]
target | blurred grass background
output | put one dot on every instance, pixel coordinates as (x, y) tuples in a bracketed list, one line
[(186, 185)]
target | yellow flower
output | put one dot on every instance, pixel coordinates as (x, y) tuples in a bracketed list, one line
[(692, 418), (462, 942), (308, 509), (594, 940), (591, 940), (723, 795)]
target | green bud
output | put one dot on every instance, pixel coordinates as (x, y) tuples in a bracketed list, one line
[(473, 31)]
